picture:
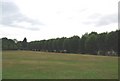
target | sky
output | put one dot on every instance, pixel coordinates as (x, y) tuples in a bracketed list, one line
[(46, 19)]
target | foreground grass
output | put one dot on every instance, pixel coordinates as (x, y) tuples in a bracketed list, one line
[(45, 65)]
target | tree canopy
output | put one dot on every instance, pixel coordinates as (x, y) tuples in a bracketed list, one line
[(105, 43)]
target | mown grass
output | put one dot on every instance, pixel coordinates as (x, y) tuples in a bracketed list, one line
[(45, 65)]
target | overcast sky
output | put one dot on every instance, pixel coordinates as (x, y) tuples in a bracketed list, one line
[(46, 19)]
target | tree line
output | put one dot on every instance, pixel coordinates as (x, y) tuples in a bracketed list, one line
[(105, 43)]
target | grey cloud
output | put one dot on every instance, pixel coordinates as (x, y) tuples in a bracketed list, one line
[(106, 20), (102, 20), (8, 7), (11, 14)]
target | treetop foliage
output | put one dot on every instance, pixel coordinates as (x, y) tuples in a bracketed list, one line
[(105, 43)]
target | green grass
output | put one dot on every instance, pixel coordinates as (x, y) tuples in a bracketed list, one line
[(45, 65)]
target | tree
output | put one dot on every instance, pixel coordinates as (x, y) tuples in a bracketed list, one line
[(91, 44), (112, 41), (8, 44), (24, 44), (74, 44), (101, 43), (60, 44), (66, 45), (82, 43)]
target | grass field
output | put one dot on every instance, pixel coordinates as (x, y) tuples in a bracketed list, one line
[(45, 65)]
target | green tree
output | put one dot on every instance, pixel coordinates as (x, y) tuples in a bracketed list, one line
[(91, 44), (66, 45), (74, 44), (8, 44), (101, 43), (24, 44), (82, 43)]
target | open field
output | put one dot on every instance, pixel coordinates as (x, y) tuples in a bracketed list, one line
[(45, 65)]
